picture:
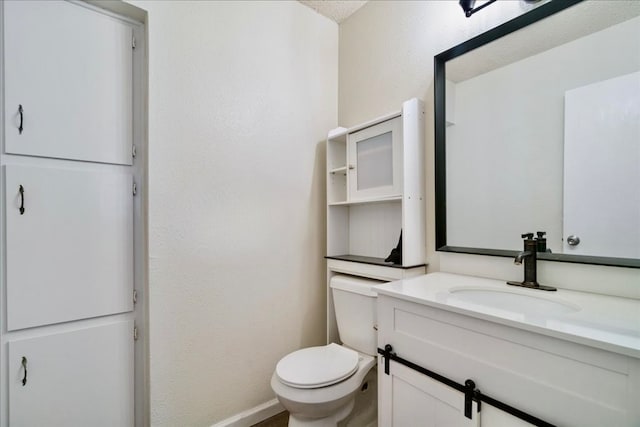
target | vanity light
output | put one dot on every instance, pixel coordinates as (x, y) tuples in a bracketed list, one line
[(467, 6)]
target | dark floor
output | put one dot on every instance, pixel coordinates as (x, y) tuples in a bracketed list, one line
[(279, 420)]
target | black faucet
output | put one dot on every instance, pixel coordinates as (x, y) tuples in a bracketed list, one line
[(529, 255)]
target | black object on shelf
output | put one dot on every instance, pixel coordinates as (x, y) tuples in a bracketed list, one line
[(396, 253)]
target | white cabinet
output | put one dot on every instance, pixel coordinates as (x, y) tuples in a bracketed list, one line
[(68, 82), (559, 382), (78, 378), (375, 161), (376, 189), (72, 216), (408, 399), (70, 248)]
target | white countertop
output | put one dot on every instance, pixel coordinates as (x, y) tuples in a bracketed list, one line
[(605, 322)]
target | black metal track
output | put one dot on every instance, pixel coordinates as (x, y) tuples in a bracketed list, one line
[(468, 388)]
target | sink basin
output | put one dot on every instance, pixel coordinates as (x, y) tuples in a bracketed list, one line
[(512, 301)]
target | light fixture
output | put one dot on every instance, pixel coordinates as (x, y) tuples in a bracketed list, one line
[(467, 5)]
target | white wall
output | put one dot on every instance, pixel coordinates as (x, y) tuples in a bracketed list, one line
[(386, 57), (241, 95)]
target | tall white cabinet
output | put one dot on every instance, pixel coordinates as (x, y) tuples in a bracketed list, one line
[(72, 216), (375, 192)]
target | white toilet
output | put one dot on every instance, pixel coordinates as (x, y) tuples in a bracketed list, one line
[(320, 386)]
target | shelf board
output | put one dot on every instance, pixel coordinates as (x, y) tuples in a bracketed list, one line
[(366, 201), (371, 260)]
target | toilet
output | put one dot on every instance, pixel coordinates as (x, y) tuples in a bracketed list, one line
[(321, 386)]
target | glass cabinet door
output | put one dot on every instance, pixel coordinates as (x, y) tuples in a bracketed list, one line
[(375, 161)]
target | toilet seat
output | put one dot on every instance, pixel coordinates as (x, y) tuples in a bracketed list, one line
[(317, 367)]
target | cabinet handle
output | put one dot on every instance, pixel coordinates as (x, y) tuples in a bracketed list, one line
[(20, 111), (24, 365), (21, 190)]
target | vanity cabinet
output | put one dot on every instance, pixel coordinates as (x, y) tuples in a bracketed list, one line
[(72, 216), (560, 382), (415, 399), (375, 193)]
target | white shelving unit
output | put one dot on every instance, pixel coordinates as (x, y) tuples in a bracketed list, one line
[(375, 191)]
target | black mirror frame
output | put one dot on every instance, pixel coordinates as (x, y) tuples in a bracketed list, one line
[(535, 15)]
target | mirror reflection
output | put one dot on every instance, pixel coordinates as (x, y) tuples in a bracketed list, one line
[(543, 134)]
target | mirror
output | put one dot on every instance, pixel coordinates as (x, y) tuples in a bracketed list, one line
[(537, 127)]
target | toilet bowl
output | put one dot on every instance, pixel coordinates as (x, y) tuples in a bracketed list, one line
[(319, 385), (323, 405)]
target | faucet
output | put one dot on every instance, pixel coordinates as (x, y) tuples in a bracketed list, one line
[(529, 255), (522, 255)]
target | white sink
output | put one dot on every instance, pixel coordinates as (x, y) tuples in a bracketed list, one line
[(500, 299), (601, 321)]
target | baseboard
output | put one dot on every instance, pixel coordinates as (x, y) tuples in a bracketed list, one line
[(252, 416)]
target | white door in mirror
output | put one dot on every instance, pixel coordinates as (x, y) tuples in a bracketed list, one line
[(602, 168)]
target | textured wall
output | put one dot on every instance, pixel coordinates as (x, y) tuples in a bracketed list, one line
[(386, 57), (241, 95)]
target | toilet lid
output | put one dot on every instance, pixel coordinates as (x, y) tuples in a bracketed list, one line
[(316, 367)]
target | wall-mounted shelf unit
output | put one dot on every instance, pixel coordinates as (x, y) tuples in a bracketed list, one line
[(375, 191), (375, 188)]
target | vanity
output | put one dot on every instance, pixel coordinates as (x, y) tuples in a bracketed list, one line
[(564, 358), (536, 126), (536, 130)]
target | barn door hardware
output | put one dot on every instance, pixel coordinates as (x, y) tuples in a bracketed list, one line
[(468, 388), (471, 393)]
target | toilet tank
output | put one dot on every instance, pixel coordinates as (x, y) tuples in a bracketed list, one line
[(356, 312)]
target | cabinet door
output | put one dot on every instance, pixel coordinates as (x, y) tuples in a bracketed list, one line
[(70, 253), (69, 69), (375, 161), (408, 398), (79, 378)]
